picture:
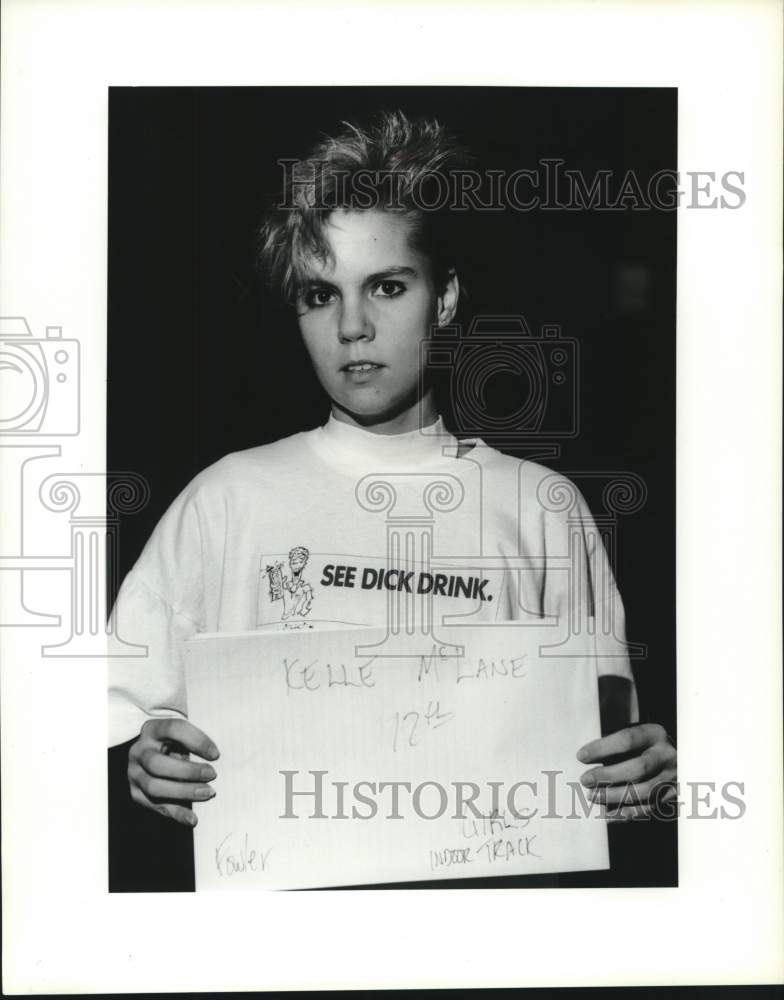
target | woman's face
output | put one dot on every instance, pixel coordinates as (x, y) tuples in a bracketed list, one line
[(363, 316)]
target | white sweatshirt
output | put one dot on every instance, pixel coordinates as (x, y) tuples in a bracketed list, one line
[(339, 527)]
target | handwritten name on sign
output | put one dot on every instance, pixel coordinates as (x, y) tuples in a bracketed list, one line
[(343, 768)]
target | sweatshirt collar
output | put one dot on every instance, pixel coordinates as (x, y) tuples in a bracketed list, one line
[(349, 445)]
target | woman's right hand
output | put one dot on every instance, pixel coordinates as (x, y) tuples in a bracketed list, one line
[(159, 772)]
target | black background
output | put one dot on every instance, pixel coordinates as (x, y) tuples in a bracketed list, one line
[(203, 360)]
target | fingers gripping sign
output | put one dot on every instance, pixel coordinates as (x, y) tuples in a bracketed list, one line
[(160, 773), (632, 786)]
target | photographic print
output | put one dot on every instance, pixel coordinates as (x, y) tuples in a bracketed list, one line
[(410, 368), (390, 449)]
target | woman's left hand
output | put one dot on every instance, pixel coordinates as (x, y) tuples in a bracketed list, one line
[(633, 787)]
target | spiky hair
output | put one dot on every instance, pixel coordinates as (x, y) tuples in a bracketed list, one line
[(396, 165)]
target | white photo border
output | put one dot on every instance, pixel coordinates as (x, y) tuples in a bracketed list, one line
[(64, 933)]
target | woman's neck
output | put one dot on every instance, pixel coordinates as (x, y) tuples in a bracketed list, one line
[(422, 413)]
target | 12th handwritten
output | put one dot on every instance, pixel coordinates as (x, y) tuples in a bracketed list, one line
[(410, 726)]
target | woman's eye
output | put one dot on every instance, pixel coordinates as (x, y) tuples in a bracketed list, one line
[(316, 297), (389, 289)]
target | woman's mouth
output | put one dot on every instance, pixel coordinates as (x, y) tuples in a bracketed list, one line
[(361, 367)]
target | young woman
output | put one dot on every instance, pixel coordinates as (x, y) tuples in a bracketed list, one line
[(257, 540)]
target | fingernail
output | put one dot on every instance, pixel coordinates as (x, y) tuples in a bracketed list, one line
[(191, 820), (588, 779), (584, 756), (207, 774), (204, 792), (212, 751)]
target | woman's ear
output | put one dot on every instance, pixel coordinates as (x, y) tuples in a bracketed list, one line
[(446, 304)]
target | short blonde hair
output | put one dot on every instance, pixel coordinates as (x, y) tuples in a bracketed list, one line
[(400, 161)]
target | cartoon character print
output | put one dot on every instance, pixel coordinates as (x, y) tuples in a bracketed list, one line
[(294, 591)]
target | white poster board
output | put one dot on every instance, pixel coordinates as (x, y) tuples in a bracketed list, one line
[(452, 758)]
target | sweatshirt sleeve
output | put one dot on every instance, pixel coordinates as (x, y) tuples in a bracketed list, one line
[(587, 593), (160, 604), (609, 617)]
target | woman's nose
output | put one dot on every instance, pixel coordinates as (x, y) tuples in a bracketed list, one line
[(354, 323)]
